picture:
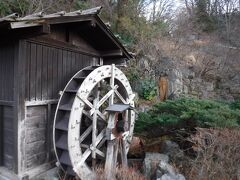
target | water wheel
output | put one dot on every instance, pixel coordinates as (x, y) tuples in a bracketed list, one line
[(81, 121)]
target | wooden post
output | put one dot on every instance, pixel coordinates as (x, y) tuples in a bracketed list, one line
[(112, 84), (123, 153), (94, 134), (116, 151), (163, 87), (110, 161), (109, 164), (19, 105), (48, 140)]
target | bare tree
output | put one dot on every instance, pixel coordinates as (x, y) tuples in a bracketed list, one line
[(161, 9)]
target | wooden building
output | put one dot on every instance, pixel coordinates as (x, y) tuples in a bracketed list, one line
[(38, 55)]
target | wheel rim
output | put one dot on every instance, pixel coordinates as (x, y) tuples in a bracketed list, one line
[(87, 119)]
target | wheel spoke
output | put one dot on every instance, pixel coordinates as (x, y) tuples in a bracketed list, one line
[(88, 151), (100, 136), (100, 153), (104, 98), (111, 101), (84, 146), (86, 101), (84, 156), (120, 97), (94, 131), (85, 134), (101, 116), (112, 76), (102, 142), (87, 114)]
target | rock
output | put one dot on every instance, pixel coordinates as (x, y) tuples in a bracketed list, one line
[(185, 89), (172, 149), (151, 162), (175, 84), (159, 173), (209, 86), (166, 168), (238, 174), (235, 90), (167, 172), (169, 177), (144, 107), (136, 147)]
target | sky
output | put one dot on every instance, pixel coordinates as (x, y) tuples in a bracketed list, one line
[(176, 5)]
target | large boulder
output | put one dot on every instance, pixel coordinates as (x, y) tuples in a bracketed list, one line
[(166, 172), (156, 166), (151, 162), (136, 148), (171, 149)]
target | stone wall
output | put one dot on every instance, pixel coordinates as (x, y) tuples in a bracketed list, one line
[(186, 82)]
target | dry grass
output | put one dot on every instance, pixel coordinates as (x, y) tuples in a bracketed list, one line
[(218, 155), (122, 173)]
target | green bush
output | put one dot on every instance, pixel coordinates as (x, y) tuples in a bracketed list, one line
[(189, 112), (235, 105), (147, 89)]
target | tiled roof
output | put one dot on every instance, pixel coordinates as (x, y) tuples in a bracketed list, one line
[(41, 15)]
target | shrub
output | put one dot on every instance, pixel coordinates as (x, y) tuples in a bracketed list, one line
[(189, 112), (217, 157), (147, 89), (235, 105)]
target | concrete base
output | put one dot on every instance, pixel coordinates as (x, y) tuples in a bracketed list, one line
[(51, 174), (6, 174), (31, 174), (43, 172)]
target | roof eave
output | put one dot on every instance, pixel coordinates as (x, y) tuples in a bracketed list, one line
[(104, 27)]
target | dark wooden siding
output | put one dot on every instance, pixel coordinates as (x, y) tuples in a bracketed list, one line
[(6, 105), (48, 69), (6, 72), (7, 143)]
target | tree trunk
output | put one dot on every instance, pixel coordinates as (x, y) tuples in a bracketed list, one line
[(120, 13), (163, 87)]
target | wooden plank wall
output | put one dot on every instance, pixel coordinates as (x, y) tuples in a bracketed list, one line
[(6, 72), (8, 138), (6, 105), (38, 145), (36, 127), (48, 69)]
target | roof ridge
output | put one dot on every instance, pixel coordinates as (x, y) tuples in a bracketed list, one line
[(42, 15)]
